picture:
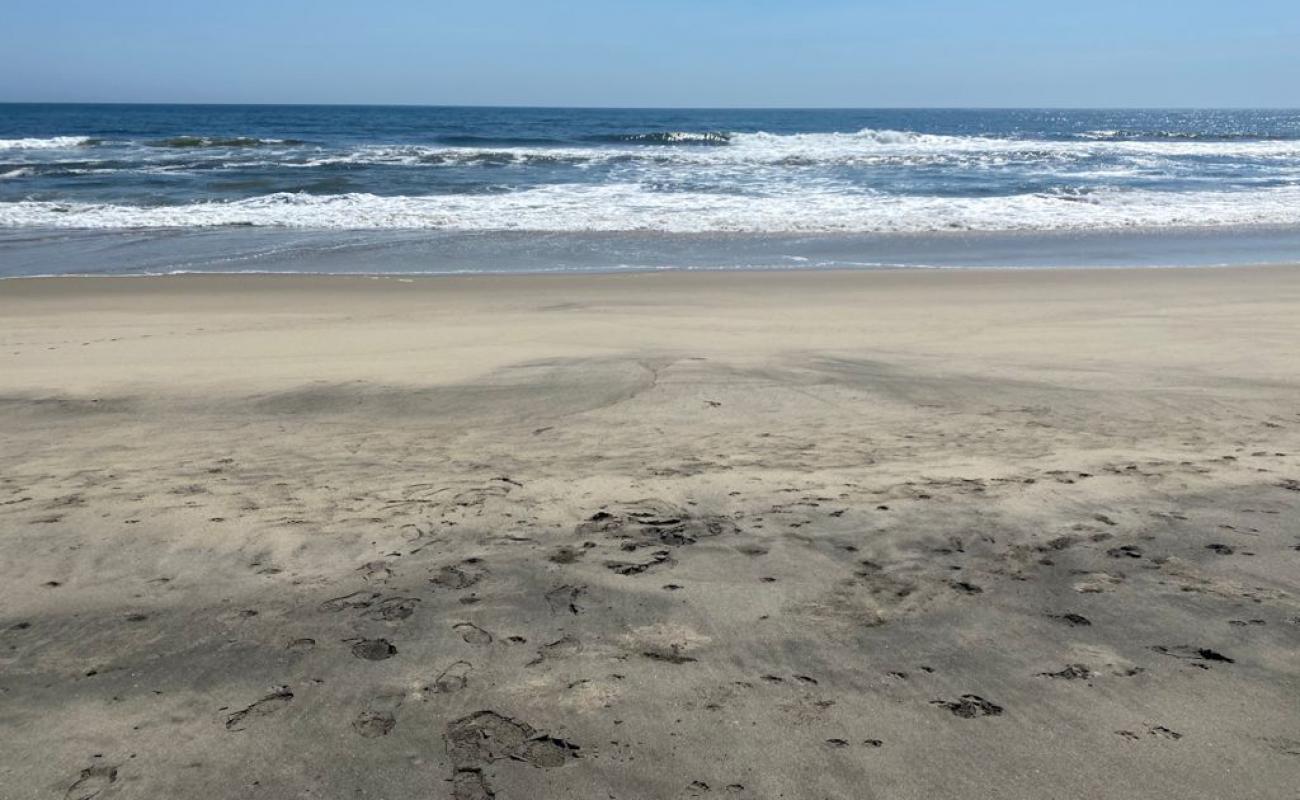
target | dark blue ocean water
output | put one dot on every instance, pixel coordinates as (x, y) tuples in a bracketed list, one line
[(236, 185)]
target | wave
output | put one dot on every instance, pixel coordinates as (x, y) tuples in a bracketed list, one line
[(668, 137), (865, 148), (187, 142), (741, 145), (631, 207), (439, 156), (1179, 136), (49, 143), (65, 168), (721, 138), (869, 143)]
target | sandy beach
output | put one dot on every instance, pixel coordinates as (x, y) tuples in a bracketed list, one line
[(896, 534)]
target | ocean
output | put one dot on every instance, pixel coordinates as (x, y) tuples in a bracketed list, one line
[(131, 188)]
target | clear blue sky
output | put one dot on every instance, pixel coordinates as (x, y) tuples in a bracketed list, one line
[(664, 53)]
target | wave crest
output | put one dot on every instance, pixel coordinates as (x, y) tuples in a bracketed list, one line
[(188, 142), (48, 143), (1177, 136), (714, 138), (631, 207)]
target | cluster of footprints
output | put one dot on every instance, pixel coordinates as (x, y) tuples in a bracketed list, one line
[(650, 536)]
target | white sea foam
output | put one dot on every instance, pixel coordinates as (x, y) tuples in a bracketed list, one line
[(865, 148), (221, 142), (51, 143), (724, 182), (630, 207)]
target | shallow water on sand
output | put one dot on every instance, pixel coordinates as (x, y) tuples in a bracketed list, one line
[(25, 252)]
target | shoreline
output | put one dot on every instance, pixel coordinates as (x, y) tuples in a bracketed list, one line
[(814, 278), (560, 271), (267, 250)]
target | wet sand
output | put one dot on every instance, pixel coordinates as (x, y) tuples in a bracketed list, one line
[(915, 534)]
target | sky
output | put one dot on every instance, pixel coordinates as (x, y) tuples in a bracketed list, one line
[(668, 53)]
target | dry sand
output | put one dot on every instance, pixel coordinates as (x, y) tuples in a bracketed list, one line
[(822, 535)]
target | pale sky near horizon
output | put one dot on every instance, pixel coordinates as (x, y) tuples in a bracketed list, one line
[(706, 53)]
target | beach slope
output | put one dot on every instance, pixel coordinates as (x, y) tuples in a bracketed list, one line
[(913, 534)]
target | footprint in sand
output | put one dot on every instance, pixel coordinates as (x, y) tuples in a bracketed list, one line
[(280, 697), (563, 647), (457, 578), (373, 649), (91, 782), (1072, 672), (486, 736), (392, 609), (483, 737), (565, 598), (354, 600), (970, 706), (375, 571), (653, 521), (469, 784), (380, 715), (452, 679), (566, 555), (472, 634)]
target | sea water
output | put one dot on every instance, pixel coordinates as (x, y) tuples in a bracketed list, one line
[(133, 188)]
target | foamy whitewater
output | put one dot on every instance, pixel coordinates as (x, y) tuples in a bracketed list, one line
[(628, 207), (673, 171), (574, 171)]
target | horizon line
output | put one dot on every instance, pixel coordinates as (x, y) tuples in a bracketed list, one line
[(524, 106)]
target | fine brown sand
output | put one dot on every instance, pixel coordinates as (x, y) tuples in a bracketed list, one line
[(822, 535)]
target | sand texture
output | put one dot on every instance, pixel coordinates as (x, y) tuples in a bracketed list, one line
[(826, 535)]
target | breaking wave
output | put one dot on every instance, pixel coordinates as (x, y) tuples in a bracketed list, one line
[(634, 170), (669, 137), (630, 207), (1179, 136), (862, 149), (49, 143), (188, 142)]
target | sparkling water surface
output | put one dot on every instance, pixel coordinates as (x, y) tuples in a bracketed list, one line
[(111, 188)]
